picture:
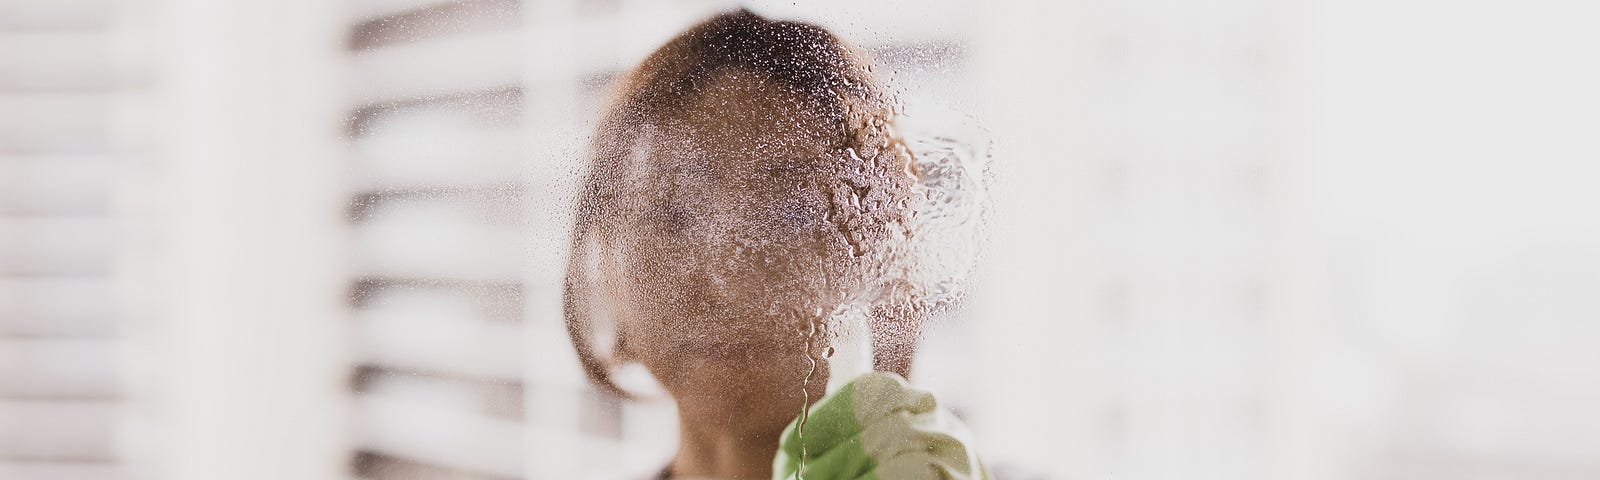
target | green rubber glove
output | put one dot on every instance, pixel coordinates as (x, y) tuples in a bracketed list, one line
[(878, 427)]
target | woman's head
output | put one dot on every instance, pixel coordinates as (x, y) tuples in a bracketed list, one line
[(745, 183)]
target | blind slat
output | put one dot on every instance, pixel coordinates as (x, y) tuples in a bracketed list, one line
[(499, 398), (55, 184), (54, 430), (57, 368), (56, 122), (468, 62), (412, 431), (72, 470), (434, 343), (55, 245), (54, 14), (43, 305), (361, 10), (441, 158), (462, 251), (56, 60)]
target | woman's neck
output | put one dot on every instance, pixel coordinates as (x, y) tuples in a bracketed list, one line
[(732, 412), (720, 445)]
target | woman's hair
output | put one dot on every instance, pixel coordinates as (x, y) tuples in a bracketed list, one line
[(834, 83)]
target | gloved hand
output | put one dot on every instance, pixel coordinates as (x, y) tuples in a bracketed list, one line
[(878, 427)]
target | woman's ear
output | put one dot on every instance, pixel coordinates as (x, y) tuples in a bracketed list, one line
[(578, 302)]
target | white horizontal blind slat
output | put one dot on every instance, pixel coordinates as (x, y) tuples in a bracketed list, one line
[(55, 245), (55, 305), (453, 64), (29, 470), (56, 430), (431, 343), (57, 368), (450, 157), (55, 184), (417, 431), (56, 122), (54, 14), (438, 157), (57, 60)]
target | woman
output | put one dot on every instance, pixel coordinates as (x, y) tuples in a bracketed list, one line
[(747, 190)]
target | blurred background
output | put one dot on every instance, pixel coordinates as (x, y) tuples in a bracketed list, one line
[(1242, 239)]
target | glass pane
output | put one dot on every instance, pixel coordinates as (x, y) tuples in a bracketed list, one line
[(629, 239)]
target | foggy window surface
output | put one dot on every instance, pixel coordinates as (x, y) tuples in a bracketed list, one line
[(628, 239), (1147, 277), (466, 179)]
